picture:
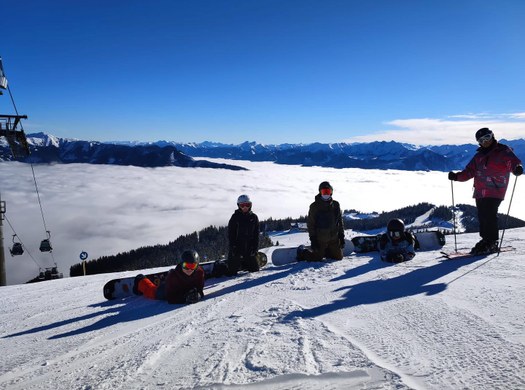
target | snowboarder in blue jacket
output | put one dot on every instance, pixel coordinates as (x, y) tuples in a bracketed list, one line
[(396, 245)]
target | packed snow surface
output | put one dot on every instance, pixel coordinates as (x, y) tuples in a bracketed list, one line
[(357, 323)]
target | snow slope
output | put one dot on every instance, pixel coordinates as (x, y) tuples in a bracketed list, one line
[(358, 323)]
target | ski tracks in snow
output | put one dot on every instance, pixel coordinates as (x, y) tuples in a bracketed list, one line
[(419, 335)]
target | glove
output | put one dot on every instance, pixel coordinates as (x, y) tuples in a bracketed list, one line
[(518, 170), (314, 243), (193, 296), (452, 176), (395, 258)]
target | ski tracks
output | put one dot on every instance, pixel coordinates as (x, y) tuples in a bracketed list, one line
[(257, 347), (430, 342)]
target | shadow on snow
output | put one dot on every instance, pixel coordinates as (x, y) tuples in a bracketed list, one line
[(136, 308), (417, 281)]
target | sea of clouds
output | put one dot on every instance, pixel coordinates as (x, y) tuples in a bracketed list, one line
[(105, 209)]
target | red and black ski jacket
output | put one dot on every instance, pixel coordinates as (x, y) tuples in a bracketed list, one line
[(178, 284), (490, 168)]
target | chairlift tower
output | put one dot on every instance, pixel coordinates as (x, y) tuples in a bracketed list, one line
[(15, 138), (19, 148), (3, 281)]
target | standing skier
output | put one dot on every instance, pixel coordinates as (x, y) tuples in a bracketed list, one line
[(243, 236), (325, 227), (396, 245), (490, 167), (184, 283)]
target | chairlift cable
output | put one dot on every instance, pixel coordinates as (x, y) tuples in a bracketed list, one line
[(39, 201), (46, 241), (32, 167), (25, 248), (14, 105)]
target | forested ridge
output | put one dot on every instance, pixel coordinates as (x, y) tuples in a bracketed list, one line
[(212, 242)]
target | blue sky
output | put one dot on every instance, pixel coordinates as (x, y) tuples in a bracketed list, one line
[(266, 71)]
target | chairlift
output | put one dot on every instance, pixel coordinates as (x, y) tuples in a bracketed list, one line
[(45, 245), (17, 248), (55, 274)]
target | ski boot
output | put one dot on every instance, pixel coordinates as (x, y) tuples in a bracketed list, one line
[(300, 254), (493, 247), (479, 248)]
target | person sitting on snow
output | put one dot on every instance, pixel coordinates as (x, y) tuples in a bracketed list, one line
[(396, 245), (184, 283)]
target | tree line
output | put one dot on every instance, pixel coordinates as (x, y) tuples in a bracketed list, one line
[(212, 242)]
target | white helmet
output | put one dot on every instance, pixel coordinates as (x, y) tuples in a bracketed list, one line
[(243, 199)]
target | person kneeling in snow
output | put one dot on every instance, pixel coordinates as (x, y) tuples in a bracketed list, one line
[(243, 238), (396, 245), (325, 227), (184, 283)]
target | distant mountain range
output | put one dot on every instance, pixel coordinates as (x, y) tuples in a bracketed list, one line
[(49, 149), (373, 155)]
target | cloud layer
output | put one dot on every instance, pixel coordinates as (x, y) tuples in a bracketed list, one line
[(456, 129)]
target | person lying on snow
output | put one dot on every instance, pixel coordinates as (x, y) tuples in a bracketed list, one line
[(397, 244), (184, 283)]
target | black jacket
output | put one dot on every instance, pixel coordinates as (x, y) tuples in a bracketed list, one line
[(325, 221), (243, 233)]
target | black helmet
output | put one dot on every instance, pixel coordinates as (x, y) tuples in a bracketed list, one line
[(325, 184), (483, 132), (395, 225), (190, 257)]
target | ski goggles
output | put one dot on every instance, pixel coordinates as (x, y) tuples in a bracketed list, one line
[(485, 138), (326, 191), (190, 266), (243, 205), (395, 234)]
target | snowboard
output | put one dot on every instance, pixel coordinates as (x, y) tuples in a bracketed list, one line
[(425, 241), (364, 244), (429, 241), (466, 254), (123, 287), (282, 255)]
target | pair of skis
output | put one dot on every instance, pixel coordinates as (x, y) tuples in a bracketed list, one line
[(462, 254)]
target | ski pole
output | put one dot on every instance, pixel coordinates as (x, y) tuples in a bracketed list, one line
[(454, 214), (507, 217)]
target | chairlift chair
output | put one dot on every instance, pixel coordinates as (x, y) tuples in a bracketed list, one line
[(45, 245), (55, 274), (17, 248)]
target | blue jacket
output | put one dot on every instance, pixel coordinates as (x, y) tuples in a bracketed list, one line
[(397, 251)]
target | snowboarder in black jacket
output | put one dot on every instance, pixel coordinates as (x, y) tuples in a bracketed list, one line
[(243, 236)]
